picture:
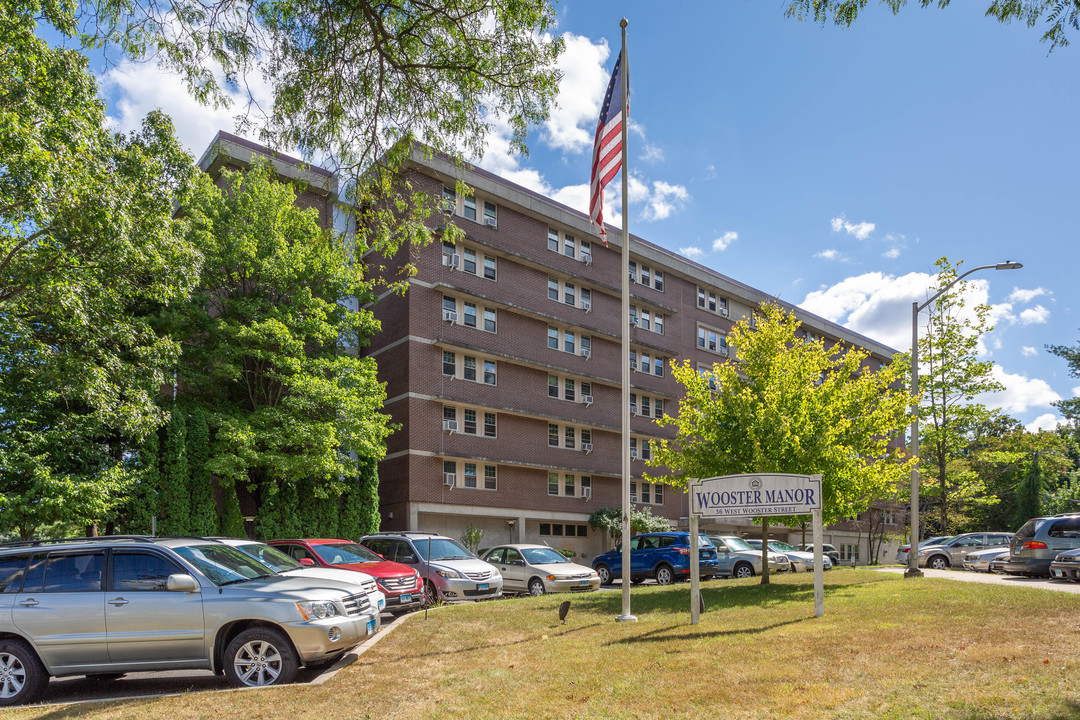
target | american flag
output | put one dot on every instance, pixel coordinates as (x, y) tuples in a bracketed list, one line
[(607, 152)]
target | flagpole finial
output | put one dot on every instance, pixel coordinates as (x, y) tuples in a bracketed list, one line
[(623, 23)]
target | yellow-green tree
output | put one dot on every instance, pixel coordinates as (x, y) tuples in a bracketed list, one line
[(783, 405)]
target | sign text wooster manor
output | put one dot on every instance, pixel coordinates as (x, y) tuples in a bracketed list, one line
[(756, 495)]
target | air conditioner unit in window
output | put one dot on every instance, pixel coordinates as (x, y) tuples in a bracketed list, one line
[(449, 426), (634, 409), (586, 305), (586, 448), (633, 277), (723, 350), (586, 399), (585, 353), (491, 223), (451, 261), (586, 493), (724, 311), (635, 320), (586, 258), (449, 479), (633, 454), (449, 316)]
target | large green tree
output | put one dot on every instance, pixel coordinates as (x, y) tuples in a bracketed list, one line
[(784, 405), (1058, 16), (88, 250), (270, 342), (951, 376), (1070, 408)]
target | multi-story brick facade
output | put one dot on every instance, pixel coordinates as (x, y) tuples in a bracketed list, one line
[(502, 364)]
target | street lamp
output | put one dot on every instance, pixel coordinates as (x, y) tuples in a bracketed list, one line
[(913, 548)]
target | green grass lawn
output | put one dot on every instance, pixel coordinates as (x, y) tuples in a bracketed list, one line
[(886, 648)]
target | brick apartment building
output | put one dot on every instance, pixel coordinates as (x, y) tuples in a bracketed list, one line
[(502, 363)]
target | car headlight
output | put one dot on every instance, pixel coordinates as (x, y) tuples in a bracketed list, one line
[(559, 577), (448, 573), (317, 609)]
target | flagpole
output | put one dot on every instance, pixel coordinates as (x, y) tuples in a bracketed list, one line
[(626, 615)]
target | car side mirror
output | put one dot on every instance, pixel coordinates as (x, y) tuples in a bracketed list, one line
[(181, 582), (408, 559), (518, 563), (306, 562)]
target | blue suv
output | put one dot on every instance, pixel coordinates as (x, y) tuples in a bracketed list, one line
[(661, 555)]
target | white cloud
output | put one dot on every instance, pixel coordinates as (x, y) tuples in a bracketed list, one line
[(829, 254), (1020, 393), (664, 199), (1022, 295), (891, 253), (571, 126), (1076, 391), (1037, 315), (1028, 351), (136, 88), (721, 243), (691, 252), (860, 230), (652, 154), (1046, 421)]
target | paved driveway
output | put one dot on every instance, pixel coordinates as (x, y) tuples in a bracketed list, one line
[(991, 579)]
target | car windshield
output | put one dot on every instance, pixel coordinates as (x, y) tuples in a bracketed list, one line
[(271, 557), (223, 565), (441, 549), (736, 544), (779, 546), (940, 540), (345, 553), (543, 556)]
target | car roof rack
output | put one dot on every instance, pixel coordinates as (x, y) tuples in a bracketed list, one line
[(410, 533), (79, 540)]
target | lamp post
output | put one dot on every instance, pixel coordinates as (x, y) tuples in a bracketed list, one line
[(913, 548)]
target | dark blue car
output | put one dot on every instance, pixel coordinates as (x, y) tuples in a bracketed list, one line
[(664, 556)]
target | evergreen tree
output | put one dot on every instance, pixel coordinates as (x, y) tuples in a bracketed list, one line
[(176, 495), (204, 516), (367, 498), (279, 512), (144, 500), (232, 520), (319, 508)]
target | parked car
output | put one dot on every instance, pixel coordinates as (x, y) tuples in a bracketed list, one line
[(117, 604), (282, 564), (538, 569), (827, 550), (400, 583), (450, 571), (997, 565), (979, 561), (734, 558), (664, 556), (1039, 541), (1066, 566), (800, 560), (952, 552), (902, 551)]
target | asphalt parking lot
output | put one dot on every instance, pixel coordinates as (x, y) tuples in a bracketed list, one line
[(992, 579)]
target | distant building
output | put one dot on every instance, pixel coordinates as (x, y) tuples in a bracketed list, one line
[(502, 363)]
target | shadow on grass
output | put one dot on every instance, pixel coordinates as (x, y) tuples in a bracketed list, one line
[(1070, 710), (666, 634)]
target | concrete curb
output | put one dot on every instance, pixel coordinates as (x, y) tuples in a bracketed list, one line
[(353, 655)]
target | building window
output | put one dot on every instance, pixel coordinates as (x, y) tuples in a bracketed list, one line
[(489, 372), (708, 300), (568, 246), (469, 262), (449, 468), (569, 390), (470, 475), (490, 320), (553, 435), (469, 319), (489, 425), (489, 267), (469, 203), (470, 368), (449, 363), (553, 485), (564, 484), (469, 421), (647, 493), (561, 530), (491, 480), (658, 366), (465, 313), (553, 240), (553, 289), (569, 438), (568, 293), (449, 196), (490, 217), (566, 436), (712, 340), (553, 386), (567, 341), (646, 449), (569, 488)]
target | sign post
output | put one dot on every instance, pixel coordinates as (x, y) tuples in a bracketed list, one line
[(756, 495)]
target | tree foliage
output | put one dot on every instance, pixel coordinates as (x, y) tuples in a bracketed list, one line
[(1057, 15), (950, 377), (609, 520), (270, 339), (88, 248), (1070, 408), (786, 405)]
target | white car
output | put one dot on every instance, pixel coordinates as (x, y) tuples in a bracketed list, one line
[(539, 569), (282, 564), (800, 560), (979, 561)]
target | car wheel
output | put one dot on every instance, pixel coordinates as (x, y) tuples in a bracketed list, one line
[(22, 676), (258, 657), (536, 587), (938, 563), (605, 574), (664, 575), (431, 594), (743, 570)]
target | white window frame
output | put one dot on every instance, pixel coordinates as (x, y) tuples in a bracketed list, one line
[(481, 469), (480, 419)]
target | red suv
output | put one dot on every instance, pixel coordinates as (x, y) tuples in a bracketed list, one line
[(400, 583)]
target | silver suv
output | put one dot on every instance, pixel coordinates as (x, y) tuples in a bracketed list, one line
[(111, 605), (1039, 541), (952, 552), (450, 571)]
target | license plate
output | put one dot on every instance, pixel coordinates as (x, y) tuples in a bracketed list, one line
[(582, 583), (1058, 573), (405, 598), (382, 604), (370, 627), (481, 586)]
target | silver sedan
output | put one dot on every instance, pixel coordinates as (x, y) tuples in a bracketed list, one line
[(539, 569)]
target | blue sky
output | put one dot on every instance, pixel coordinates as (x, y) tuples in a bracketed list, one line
[(830, 167)]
